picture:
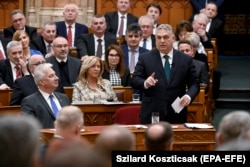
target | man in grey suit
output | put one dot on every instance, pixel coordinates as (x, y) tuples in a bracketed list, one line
[(165, 74), (45, 103), (66, 67), (87, 44)]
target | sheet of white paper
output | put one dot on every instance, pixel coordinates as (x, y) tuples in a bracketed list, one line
[(176, 105), (198, 125)]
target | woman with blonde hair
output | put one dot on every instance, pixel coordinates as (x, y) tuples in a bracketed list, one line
[(23, 37), (90, 84)]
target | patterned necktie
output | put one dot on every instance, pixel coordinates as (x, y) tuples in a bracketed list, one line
[(69, 36), (120, 32), (18, 72), (167, 66), (48, 48), (99, 48), (144, 43), (132, 61), (1, 55), (53, 105)]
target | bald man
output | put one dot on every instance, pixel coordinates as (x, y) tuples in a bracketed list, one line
[(159, 136)]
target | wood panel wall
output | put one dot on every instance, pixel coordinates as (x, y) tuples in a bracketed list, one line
[(6, 7), (173, 10)]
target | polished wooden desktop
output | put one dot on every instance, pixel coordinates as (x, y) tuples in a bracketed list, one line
[(185, 139)]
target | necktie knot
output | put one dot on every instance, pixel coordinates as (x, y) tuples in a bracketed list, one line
[(69, 26), (99, 40)]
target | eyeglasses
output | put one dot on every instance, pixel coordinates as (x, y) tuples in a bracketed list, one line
[(38, 63), (61, 46), (114, 56)]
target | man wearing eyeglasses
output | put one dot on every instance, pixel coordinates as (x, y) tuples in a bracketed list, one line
[(25, 86), (19, 23), (66, 67)]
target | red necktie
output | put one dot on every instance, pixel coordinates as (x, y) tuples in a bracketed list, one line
[(1, 55), (69, 36), (120, 32), (18, 72)]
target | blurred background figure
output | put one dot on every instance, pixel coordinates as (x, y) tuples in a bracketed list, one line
[(154, 10), (19, 23)]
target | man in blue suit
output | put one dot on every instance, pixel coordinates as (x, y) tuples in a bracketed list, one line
[(161, 85), (133, 37), (70, 14)]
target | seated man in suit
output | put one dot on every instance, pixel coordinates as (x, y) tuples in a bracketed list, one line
[(154, 10), (97, 42), (66, 67), (19, 23), (186, 47), (14, 67), (45, 103), (117, 21), (147, 25), (131, 47), (3, 46), (199, 26), (43, 42), (69, 28), (26, 85)]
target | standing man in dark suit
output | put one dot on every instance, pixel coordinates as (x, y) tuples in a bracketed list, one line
[(67, 68), (87, 44), (69, 28), (14, 67), (19, 23), (118, 21), (133, 37), (45, 103), (165, 74), (43, 42), (26, 85), (3, 47), (147, 26)]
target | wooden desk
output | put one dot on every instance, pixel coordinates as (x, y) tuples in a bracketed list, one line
[(184, 139), (10, 109), (5, 96)]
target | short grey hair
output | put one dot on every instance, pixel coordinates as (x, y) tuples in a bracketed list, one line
[(39, 72), (200, 15), (146, 17), (165, 27), (12, 44), (68, 4)]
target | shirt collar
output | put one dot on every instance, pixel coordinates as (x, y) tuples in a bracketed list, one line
[(170, 54), (59, 60)]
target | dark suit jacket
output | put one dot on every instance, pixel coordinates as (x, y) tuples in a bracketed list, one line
[(216, 28), (37, 106), (112, 21), (23, 87), (9, 31), (201, 71), (125, 51), (125, 79), (86, 43), (6, 75), (74, 66), (5, 42), (159, 98), (61, 30), (38, 44)]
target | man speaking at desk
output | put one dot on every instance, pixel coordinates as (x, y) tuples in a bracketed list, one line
[(165, 74)]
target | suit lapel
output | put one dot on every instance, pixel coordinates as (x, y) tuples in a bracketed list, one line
[(45, 104), (91, 45)]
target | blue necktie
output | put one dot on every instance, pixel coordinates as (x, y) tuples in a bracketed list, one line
[(144, 43), (53, 105), (167, 66)]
